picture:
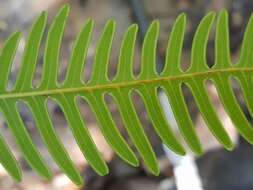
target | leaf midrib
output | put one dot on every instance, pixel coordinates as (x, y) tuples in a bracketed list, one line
[(113, 85)]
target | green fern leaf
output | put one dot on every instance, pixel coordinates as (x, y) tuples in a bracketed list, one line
[(120, 88)]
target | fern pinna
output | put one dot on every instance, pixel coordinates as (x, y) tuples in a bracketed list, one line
[(120, 88)]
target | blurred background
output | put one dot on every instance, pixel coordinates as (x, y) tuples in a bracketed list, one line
[(217, 169)]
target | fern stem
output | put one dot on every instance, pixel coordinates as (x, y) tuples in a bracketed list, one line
[(134, 84)]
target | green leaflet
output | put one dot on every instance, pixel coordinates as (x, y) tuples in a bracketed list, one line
[(121, 88)]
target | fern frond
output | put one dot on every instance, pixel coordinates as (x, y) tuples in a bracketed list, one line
[(120, 88)]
